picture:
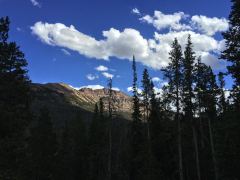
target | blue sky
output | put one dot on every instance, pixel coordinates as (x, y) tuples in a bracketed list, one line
[(106, 33)]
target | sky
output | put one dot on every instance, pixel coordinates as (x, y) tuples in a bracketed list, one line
[(85, 42)]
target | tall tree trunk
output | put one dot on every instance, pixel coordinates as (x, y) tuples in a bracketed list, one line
[(195, 140), (179, 138), (213, 150)]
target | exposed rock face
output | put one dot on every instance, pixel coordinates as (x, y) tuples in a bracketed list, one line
[(62, 94)]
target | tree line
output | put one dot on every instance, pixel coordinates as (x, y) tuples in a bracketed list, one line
[(189, 131)]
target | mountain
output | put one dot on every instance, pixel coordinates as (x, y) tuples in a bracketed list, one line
[(64, 102)]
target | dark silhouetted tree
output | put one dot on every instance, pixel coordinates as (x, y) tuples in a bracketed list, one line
[(173, 72), (14, 104)]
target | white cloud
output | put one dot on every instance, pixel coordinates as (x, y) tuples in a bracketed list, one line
[(66, 52), (153, 52), (130, 89), (91, 77), (115, 89), (201, 23), (101, 68), (35, 3), (136, 11), (93, 87), (107, 75), (212, 60), (156, 79), (162, 21), (209, 26)]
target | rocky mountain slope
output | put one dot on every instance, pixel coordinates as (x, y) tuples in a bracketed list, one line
[(64, 101)]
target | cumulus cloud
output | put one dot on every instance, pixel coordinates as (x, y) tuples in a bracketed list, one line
[(91, 77), (107, 75), (153, 52), (66, 52), (201, 23), (101, 68), (35, 3), (136, 11), (209, 26), (162, 21)]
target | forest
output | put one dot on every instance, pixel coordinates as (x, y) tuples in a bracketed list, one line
[(191, 131)]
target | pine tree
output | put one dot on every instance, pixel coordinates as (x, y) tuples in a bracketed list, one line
[(136, 135), (149, 99), (156, 135), (231, 53), (136, 106), (212, 115), (14, 104), (146, 93), (206, 91), (173, 72), (110, 119), (188, 96)]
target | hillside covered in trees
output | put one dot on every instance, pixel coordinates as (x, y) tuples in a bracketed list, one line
[(188, 131)]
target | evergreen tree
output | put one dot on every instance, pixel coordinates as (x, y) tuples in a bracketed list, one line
[(173, 72), (156, 135), (146, 94), (188, 96), (231, 53), (206, 91), (110, 119), (212, 116), (136, 135), (14, 104)]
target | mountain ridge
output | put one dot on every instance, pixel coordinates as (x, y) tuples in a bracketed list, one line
[(64, 101)]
